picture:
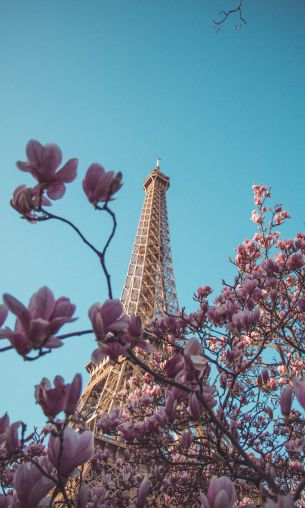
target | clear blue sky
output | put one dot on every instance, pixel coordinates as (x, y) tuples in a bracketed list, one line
[(120, 82)]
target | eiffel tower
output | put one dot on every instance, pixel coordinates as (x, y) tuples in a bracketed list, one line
[(149, 291)]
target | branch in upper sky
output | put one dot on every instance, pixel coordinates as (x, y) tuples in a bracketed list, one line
[(224, 15)]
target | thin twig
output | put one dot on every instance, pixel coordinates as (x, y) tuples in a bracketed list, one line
[(75, 228), (106, 209), (100, 254), (226, 14), (7, 348), (74, 334)]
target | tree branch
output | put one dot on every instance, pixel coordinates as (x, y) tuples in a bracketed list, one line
[(226, 14)]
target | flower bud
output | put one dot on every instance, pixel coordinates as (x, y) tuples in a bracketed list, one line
[(194, 406), (286, 401)]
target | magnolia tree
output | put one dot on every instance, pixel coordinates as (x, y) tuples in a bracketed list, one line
[(213, 413)]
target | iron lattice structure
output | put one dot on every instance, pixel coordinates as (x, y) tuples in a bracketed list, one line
[(149, 288), (149, 291)]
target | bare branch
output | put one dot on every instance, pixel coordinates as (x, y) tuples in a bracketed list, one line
[(224, 15)]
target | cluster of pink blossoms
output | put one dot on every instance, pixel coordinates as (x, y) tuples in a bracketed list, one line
[(43, 162), (216, 420), (261, 192), (115, 331)]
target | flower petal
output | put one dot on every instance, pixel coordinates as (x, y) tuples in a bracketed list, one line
[(42, 303), (52, 158), (53, 343), (17, 308), (68, 172), (3, 314), (24, 166), (56, 190), (57, 323), (34, 151)]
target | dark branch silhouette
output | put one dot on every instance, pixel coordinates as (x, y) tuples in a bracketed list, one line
[(224, 15)]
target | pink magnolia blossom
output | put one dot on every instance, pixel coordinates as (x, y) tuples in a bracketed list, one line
[(36, 325), (160, 417), (110, 421), (12, 440), (30, 485), (4, 423), (260, 193), (256, 217), (134, 334), (169, 324), (76, 449), (223, 313), (194, 406), (63, 397), (73, 395), (52, 400), (127, 429), (186, 438), (100, 185), (270, 266), (108, 317), (208, 393), (295, 261), (203, 292), (3, 314), (170, 405), (280, 217), (245, 319), (9, 501), (193, 358), (43, 163), (221, 494), (112, 350), (282, 502), (82, 498), (9, 439), (143, 492), (174, 365), (299, 390), (248, 287), (247, 252), (99, 498), (27, 200), (135, 327), (295, 445), (286, 400)]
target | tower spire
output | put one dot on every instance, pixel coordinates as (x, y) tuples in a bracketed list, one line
[(149, 288)]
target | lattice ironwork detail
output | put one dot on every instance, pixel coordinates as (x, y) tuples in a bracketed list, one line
[(149, 288), (149, 291)]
